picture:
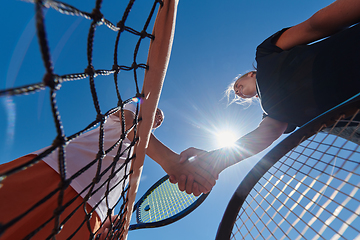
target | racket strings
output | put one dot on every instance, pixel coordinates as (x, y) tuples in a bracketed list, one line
[(266, 208), (291, 200), (164, 202), (259, 225), (311, 193), (338, 158), (343, 180)]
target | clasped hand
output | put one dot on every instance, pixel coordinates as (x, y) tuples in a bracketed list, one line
[(198, 173)]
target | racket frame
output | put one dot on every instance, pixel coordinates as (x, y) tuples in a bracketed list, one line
[(167, 221), (348, 108)]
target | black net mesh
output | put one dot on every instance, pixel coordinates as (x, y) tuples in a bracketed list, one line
[(53, 82)]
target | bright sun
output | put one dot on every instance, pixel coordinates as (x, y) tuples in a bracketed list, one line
[(226, 139)]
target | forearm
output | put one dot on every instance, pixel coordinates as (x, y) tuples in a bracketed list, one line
[(159, 152), (247, 146), (325, 22), (170, 162), (156, 150), (251, 144)]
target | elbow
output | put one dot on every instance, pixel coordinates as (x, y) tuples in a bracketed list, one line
[(279, 130), (273, 129)]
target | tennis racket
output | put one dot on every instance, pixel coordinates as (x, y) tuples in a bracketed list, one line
[(164, 204), (306, 187)]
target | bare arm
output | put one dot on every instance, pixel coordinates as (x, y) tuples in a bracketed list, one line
[(169, 161), (254, 142), (325, 22)]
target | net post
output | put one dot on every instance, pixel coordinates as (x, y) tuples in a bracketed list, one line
[(158, 60)]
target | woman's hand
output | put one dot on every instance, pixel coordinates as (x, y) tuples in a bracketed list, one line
[(200, 163), (189, 175), (209, 162), (213, 163)]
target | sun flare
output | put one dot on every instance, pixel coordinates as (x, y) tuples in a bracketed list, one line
[(226, 139)]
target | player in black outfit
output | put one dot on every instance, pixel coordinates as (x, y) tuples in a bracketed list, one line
[(296, 80)]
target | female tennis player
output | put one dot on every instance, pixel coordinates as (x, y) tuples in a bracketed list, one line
[(22, 190), (302, 71)]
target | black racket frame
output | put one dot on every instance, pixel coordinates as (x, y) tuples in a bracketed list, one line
[(348, 108)]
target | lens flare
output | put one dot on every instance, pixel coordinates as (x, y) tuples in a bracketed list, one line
[(226, 139), (136, 100), (11, 116)]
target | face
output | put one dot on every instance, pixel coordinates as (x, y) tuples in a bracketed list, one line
[(245, 87), (159, 118)]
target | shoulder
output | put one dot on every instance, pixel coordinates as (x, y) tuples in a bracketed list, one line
[(129, 113), (130, 107), (268, 45)]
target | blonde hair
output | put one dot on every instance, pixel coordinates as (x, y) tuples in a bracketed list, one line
[(238, 100)]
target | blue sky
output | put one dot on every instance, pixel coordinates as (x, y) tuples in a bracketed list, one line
[(214, 42)]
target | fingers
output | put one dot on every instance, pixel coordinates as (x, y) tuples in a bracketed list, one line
[(196, 190), (188, 153), (209, 171), (189, 184), (197, 175), (205, 179), (202, 189), (172, 179), (184, 156), (182, 183)]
